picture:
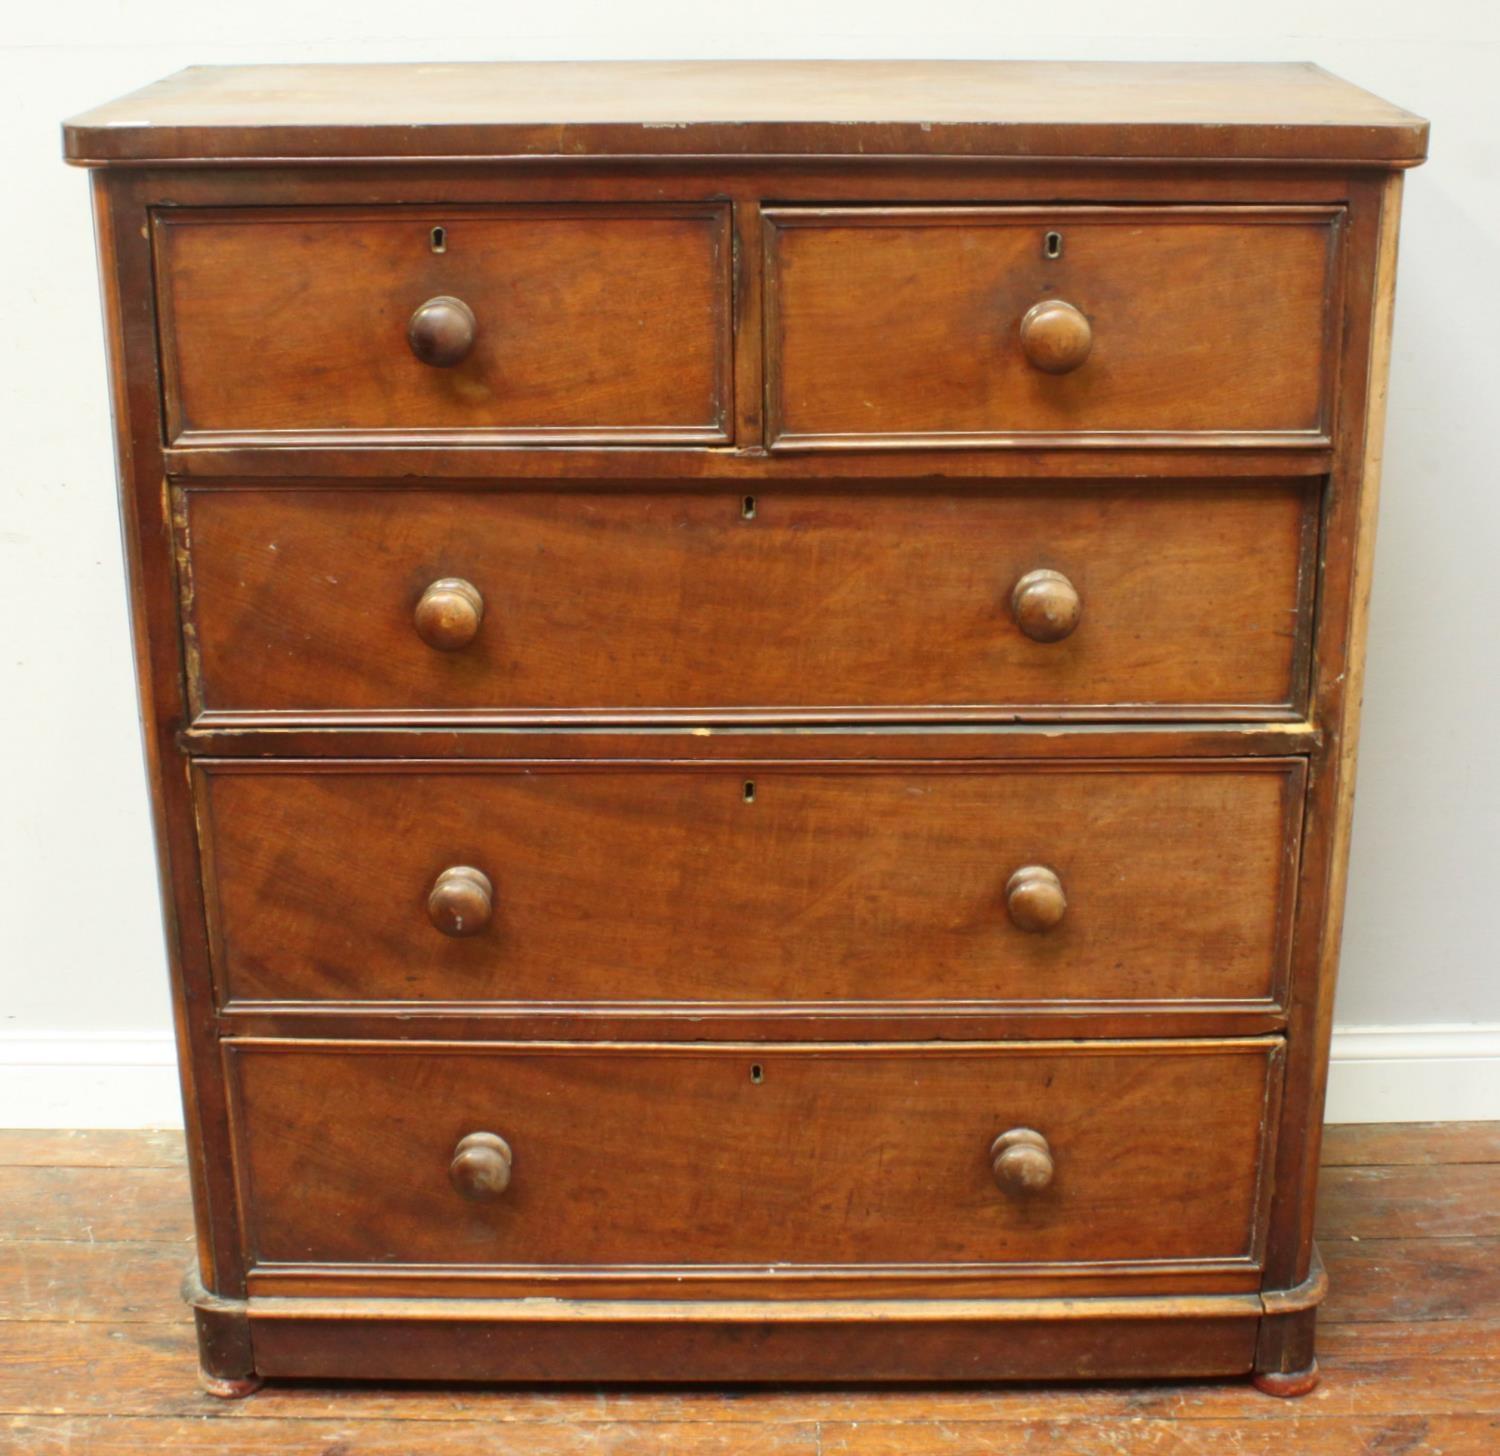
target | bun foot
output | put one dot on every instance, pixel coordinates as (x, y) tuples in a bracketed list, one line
[(224, 1388), (1287, 1383)]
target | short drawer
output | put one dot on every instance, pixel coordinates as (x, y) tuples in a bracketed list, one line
[(869, 602), (978, 325), (547, 885), (573, 323), (656, 1156)]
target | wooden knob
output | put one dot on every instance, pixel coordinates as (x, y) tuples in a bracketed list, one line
[(462, 901), (441, 332), (1046, 606), (449, 613), (1022, 1161), (1034, 896), (481, 1166), (1055, 336)]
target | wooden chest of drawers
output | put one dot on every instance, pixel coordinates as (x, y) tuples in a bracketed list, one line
[(750, 677)]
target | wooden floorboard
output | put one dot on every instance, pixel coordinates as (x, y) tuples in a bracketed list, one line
[(1409, 1279), (97, 1354), (1458, 1201), (103, 1436), (1370, 1143), (93, 1205), (90, 1148), (1298, 1435), (109, 1283)]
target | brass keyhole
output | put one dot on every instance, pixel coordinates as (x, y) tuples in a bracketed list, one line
[(1052, 245)]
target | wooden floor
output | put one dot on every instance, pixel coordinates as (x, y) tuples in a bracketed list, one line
[(96, 1356)]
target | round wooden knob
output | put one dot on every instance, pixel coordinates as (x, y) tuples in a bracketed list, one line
[(462, 901), (1022, 1160), (1046, 606), (481, 1166), (1034, 896), (449, 613), (441, 332), (1055, 336)]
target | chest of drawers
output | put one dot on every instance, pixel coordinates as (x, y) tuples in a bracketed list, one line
[(750, 677)]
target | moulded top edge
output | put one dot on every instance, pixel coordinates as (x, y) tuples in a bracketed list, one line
[(1041, 110)]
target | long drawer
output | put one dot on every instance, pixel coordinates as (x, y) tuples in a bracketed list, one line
[(577, 884), (864, 602), (688, 1156)]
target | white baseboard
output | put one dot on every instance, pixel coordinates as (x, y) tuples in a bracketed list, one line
[(1414, 1074), (103, 1079), (129, 1079)]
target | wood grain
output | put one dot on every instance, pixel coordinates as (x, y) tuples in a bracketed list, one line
[(1408, 1201), (1408, 1279), (882, 603), (1211, 461), (752, 883), (1024, 109), (593, 323), (90, 1148), (1356, 1144), (1311, 1435), (195, 1436), (120, 1281), (92, 1204), (833, 1156), (904, 325)]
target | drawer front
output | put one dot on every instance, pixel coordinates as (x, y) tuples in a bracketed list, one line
[(688, 1156), (808, 884), (895, 324), (877, 602), (608, 324)]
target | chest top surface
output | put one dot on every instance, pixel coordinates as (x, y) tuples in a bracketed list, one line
[(1272, 112)]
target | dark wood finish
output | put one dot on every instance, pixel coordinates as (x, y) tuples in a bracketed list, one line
[(583, 323), (651, 882), (226, 1358), (873, 602), (418, 466), (1046, 606), (880, 1341), (921, 326), (744, 458), (342, 736), (441, 331), (462, 901), (805, 1158)]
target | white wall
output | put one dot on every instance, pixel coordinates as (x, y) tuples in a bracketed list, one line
[(81, 976)]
